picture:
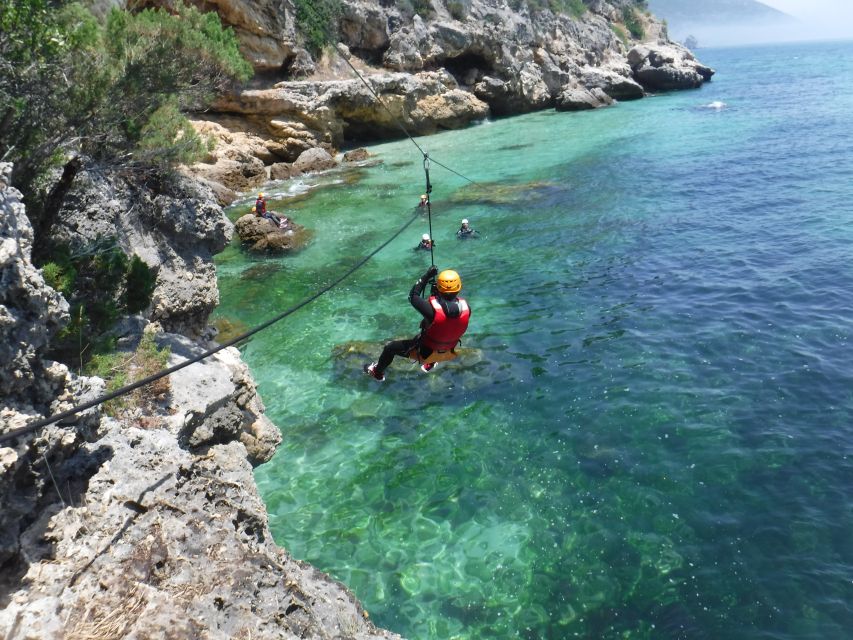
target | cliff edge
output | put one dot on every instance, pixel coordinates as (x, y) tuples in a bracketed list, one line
[(149, 525)]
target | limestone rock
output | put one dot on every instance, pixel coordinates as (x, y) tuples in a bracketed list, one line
[(169, 544), (283, 171), (666, 67), (174, 232), (357, 155), (316, 159), (578, 99), (618, 86), (30, 311), (363, 26), (215, 401)]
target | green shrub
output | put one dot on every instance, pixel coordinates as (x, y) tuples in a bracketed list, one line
[(620, 32), (574, 8), (111, 90), (423, 8), (139, 285), (61, 276), (318, 22), (632, 22), (101, 284), (119, 369), (457, 9)]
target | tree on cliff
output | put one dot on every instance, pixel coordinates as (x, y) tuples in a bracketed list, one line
[(111, 90)]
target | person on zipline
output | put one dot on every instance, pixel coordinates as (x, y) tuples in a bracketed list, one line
[(426, 243), (445, 320)]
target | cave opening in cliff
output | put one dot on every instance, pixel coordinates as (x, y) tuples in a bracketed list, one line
[(369, 56), (468, 68)]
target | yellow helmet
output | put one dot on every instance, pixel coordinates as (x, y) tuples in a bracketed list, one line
[(260, 195), (448, 281)]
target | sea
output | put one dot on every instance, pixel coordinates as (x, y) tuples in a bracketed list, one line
[(649, 430)]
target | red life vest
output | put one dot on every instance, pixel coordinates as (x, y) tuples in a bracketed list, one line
[(443, 333)]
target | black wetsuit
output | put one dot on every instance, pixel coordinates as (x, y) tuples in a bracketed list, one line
[(403, 347), (466, 233)]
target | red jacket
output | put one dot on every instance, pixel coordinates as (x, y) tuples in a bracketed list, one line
[(443, 333)]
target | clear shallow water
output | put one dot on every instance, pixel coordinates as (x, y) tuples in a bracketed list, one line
[(655, 438)]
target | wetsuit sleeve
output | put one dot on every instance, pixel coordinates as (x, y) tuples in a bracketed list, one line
[(418, 301)]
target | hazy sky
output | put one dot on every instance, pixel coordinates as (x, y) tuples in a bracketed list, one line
[(820, 18)]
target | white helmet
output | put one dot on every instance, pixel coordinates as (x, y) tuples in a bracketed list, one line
[(425, 236), (464, 220)]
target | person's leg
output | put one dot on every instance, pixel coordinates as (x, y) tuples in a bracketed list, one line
[(394, 348)]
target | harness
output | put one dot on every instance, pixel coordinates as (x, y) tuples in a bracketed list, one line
[(443, 333)]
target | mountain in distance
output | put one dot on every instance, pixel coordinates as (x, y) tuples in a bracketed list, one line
[(723, 22)]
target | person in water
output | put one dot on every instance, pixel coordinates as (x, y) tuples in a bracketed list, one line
[(445, 320), (423, 201), (260, 209), (465, 231), (426, 243)]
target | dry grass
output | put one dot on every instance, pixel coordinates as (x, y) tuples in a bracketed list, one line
[(110, 620)]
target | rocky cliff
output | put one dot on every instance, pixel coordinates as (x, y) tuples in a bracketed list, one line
[(442, 70), (148, 526)]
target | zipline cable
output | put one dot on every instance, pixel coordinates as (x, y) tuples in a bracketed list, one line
[(35, 426), (39, 424), (429, 209), (400, 124)]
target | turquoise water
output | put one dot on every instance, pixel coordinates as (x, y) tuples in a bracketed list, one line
[(651, 437)]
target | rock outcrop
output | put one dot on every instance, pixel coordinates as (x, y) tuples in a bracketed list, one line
[(441, 72), (667, 67), (29, 310), (175, 232), (263, 236), (148, 526)]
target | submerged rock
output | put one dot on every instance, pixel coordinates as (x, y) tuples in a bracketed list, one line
[(357, 155)]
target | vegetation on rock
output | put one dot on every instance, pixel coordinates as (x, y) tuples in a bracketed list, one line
[(318, 22), (100, 284), (633, 22), (122, 368), (110, 90)]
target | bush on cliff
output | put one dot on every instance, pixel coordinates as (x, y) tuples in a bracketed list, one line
[(122, 368), (113, 91), (574, 8), (318, 22), (633, 23), (101, 284)]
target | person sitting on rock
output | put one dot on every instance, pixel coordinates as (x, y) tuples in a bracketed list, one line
[(465, 231), (426, 243), (260, 205), (260, 209), (445, 320)]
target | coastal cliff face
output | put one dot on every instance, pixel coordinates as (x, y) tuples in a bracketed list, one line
[(442, 71), (151, 525)]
